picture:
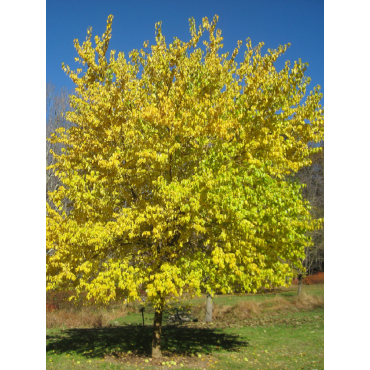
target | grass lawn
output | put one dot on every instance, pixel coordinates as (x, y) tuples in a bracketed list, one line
[(280, 339)]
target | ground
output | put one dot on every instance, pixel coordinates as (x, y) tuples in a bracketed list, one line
[(276, 337)]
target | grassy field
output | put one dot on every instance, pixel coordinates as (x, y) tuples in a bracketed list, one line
[(274, 330)]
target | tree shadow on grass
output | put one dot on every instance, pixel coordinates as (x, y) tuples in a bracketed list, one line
[(176, 340)]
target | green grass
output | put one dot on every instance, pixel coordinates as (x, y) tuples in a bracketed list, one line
[(283, 340)]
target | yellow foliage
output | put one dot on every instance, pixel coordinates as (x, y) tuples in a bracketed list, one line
[(176, 170)]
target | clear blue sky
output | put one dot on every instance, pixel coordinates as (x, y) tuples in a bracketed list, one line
[(274, 22)]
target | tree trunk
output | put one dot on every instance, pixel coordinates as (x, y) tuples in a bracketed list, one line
[(208, 317), (299, 284), (157, 332)]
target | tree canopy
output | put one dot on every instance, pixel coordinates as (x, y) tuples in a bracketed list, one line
[(175, 170)]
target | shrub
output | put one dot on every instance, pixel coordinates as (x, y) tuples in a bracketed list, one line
[(311, 279), (314, 279), (51, 307)]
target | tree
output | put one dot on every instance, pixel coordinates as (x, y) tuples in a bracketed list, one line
[(209, 305), (176, 171)]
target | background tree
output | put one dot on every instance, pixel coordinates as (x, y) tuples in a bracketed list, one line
[(176, 171), (57, 104), (312, 177)]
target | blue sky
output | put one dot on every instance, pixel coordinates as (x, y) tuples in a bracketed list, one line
[(300, 23)]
